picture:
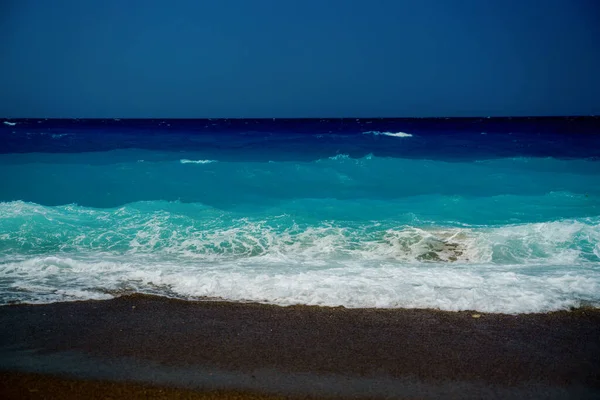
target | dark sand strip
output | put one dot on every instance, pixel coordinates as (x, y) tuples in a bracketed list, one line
[(18, 385), (307, 350)]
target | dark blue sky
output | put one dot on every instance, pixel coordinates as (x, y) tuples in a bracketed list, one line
[(309, 58)]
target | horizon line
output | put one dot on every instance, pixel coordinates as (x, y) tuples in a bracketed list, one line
[(303, 118)]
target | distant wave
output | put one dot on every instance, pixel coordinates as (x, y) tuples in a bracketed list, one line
[(346, 157), (9, 123), (186, 161), (340, 157), (392, 134)]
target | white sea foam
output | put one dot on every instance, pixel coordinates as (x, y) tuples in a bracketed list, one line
[(9, 123), (186, 161), (277, 280), (346, 157), (338, 157), (392, 134)]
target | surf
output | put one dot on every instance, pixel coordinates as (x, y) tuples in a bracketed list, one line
[(331, 213)]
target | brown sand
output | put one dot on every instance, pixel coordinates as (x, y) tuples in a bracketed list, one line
[(18, 385), (307, 350)]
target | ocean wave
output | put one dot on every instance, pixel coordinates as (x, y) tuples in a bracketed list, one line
[(507, 289), (391, 134), (194, 251), (117, 178), (451, 221), (197, 232), (186, 161), (337, 157)]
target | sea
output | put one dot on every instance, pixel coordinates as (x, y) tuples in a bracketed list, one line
[(497, 215)]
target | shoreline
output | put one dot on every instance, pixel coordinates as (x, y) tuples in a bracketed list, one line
[(304, 350), (585, 307)]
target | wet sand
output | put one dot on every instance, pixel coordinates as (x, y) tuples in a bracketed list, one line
[(18, 385), (300, 350)]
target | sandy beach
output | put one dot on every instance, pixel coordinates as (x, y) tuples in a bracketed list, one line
[(146, 343)]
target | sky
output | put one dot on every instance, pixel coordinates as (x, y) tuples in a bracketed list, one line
[(289, 58)]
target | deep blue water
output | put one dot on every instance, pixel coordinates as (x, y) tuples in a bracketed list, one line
[(498, 215)]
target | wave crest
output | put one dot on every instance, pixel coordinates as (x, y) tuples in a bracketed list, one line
[(186, 161), (204, 233), (391, 134), (193, 251)]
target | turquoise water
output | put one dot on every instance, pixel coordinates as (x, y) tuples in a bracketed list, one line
[(238, 218)]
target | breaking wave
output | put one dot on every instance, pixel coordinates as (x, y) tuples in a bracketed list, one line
[(186, 161), (195, 251), (392, 134)]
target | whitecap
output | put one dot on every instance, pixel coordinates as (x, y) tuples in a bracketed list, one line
[(392, 134), (338, 157), (186, 161)]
